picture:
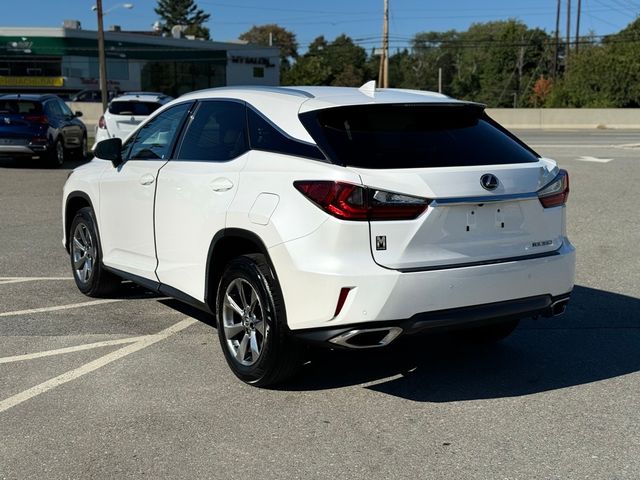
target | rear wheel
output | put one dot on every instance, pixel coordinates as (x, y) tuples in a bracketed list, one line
[(58, 154), (488, 334), (86, 257), (252, 323)]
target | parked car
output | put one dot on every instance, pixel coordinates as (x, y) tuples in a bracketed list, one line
[(91, 95), (40, 127), (339, 216), (125, 113)]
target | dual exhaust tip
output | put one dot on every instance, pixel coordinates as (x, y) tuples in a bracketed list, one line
[(367, 337), (381, 337)]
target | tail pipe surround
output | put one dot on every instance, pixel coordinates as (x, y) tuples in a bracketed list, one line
[(558, 307), (367, 337)]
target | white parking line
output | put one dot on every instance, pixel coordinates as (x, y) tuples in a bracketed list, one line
[(94, 365), (585, 158), (60, 307), (75, 348), (5, 280)]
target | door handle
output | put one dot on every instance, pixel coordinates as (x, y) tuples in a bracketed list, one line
[(221, 184), (147, 179)]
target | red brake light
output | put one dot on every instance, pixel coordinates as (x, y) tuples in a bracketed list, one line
[(354, 202), (101, 122), (555, 193), (37, 119)]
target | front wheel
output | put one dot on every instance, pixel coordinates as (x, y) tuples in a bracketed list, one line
[(86, 257), (252, 323)]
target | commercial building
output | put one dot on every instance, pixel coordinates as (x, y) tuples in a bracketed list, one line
[(65, 60)]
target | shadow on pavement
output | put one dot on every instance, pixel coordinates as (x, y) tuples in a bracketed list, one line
[(597, 338)]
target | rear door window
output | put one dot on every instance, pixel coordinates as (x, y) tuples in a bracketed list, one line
[(217, 132), (133, 108), (413, 136)]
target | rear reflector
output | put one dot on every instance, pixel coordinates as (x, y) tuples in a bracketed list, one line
[(555, 193), (354, 202), (344, 293)]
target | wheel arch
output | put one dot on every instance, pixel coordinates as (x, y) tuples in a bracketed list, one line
[(226, 245), (75, 201)]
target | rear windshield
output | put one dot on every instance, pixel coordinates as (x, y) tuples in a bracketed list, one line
[(413, 136), (20, 107), (133, 108)]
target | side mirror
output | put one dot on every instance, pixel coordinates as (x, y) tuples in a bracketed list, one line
[(78, 113), (110, 149)]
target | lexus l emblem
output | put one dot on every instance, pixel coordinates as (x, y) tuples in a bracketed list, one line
[(489, 181), (7, 120)]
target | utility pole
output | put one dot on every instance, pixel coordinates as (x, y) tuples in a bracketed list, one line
[(440, 80), (578, 25), (557, 45), (101, 57), (385, 46), (566, 54)]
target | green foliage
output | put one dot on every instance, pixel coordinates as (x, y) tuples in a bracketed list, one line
[(603, 76), (280, 37), (499, 63), (183, 12), (339, 63)]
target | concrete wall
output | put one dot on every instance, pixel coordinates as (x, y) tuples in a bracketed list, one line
[(545, 118), (567, 118), (91, 112)]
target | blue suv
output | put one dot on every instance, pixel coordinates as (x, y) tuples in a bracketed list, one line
[(40, 127)]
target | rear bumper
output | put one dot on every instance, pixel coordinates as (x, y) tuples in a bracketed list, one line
[(312, 278), (22, 150), (381, 333)]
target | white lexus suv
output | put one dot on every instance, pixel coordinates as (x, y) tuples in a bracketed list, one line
[(340, 216)]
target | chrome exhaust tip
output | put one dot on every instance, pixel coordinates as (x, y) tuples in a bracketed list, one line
[(558, 307), (367, 337)]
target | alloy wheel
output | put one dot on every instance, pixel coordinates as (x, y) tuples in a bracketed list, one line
[(243, 320), (83, 253)]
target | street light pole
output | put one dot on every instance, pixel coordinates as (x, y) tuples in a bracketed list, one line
[(101, 57)]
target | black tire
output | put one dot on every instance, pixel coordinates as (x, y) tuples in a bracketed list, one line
[(278, 357), (488, 334), (85, 254), (58, 154), (82, 153)]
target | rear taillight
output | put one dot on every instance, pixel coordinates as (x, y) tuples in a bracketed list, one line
[(42, 119), (556, 192), (101, 122), (354, 202)]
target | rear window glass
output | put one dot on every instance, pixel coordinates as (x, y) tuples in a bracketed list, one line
[(133, 108), (20, 107), (413, 136)]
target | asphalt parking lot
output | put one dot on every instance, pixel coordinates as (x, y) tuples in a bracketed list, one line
[(137, 385)]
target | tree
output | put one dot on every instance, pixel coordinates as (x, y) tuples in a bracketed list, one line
[(280, 37), (183, 12), (338, 63)]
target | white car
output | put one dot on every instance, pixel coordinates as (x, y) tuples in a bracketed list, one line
[(126, 112), (341, 216)]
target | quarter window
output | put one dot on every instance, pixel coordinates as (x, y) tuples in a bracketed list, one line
[(154, 139), (217, 133), (264, 136)]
